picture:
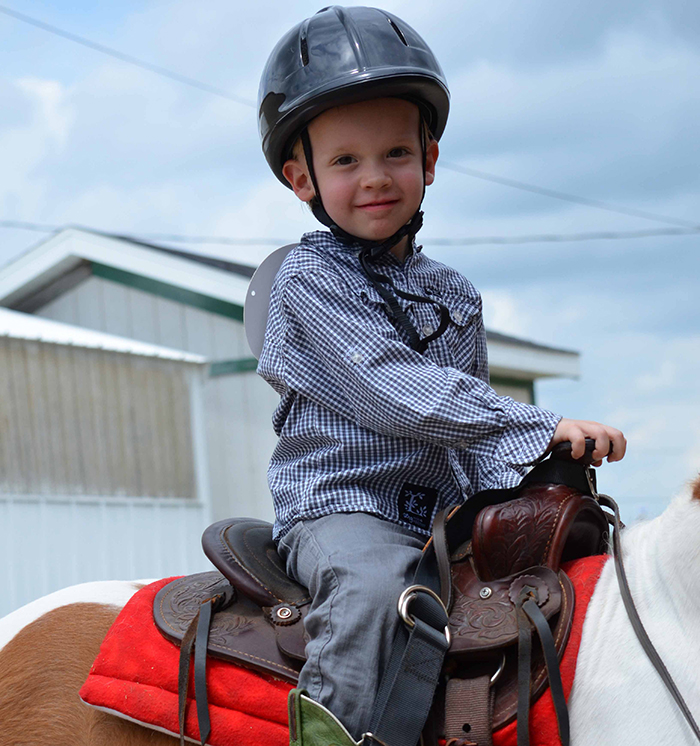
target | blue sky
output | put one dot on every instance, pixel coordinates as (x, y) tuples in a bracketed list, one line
[(594, 98)]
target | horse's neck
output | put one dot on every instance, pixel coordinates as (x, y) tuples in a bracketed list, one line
[(662, 559)]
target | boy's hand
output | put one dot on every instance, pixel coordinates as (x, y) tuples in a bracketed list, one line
[(577, 431)]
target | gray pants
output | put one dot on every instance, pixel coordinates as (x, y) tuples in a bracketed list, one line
[(355, 565)]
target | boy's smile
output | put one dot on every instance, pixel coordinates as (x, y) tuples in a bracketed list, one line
[(367, 158)]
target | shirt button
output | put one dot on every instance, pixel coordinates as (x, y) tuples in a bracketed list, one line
[(457, 316), (428, 330), (357, 358), (463, 444)]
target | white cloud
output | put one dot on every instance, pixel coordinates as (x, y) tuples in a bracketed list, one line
[(663, 377), (53, 113), (503, 313)]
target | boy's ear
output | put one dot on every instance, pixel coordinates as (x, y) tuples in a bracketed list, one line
[(296, 174), (431, 156)]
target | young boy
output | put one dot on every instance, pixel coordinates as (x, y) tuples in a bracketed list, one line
[(378, 352)]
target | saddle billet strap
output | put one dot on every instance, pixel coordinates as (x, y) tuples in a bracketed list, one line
[(641, 633), (469, 710)]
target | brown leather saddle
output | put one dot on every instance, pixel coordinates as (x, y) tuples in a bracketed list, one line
[(501, 549)]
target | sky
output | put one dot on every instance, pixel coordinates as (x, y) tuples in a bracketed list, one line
[(595, 99)]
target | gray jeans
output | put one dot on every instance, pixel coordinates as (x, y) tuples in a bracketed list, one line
[(355, 565)]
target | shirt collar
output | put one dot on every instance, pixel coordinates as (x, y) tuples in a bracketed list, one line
[(327, 241)]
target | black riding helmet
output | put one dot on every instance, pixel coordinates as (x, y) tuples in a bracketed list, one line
[(343, 56)]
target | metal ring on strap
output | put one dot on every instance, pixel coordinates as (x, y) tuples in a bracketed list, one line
[(499, 670), (408, 595)]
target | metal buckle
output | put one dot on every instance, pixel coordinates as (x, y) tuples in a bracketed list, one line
[(372, 739), (408, 595), (590, 478), (499, 671)]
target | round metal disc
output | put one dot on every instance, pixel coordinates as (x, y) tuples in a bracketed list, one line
[(257, 300)]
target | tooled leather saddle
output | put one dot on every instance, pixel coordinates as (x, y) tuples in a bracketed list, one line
[(498, 558)]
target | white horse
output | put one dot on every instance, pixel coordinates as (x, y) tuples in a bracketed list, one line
[(618, 699)]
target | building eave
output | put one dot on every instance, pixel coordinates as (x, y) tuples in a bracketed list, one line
[(66, 250)]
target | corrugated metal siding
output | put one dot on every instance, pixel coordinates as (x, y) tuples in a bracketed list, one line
[(82, 421)]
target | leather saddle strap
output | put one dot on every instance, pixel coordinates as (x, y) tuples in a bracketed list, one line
[(183, 677), (551, 659), (197, 635), (642, 636), (200, 670), (469, 711), (442, 555), (524, 675)]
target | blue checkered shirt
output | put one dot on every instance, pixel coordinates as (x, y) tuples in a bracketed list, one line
[(365, 423)]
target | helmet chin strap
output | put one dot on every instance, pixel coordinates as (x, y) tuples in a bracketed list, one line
[(376, 249)]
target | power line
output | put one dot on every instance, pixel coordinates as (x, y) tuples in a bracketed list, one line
[(567, 197), (533, 188), (562, 237), (466, 241), (25, 226), (126, 57)]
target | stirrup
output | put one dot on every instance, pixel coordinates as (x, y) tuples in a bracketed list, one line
[(312, 724)]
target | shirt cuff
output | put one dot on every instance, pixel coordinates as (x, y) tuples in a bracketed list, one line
[(528, 432)]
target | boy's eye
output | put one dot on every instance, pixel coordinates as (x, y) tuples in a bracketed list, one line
[(344, 160), (397, 152)]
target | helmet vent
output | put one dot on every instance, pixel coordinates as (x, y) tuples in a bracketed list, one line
[(303, 44), (399, 33)]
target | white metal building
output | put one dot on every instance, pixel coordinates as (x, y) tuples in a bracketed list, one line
[(190, 303), (103, 464)]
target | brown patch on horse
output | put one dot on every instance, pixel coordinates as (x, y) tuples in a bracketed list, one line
[(696, 489), (41, 671)]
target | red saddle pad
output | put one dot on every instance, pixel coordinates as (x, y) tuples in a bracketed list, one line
[(135, 676)]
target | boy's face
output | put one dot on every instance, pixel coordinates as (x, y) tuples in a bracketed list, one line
[(367, 158)]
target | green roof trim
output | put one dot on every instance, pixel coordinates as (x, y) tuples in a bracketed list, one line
[(232, 367), (171, 292)]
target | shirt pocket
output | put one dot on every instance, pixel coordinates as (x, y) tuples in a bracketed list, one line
[(377, 313), (461, 333)]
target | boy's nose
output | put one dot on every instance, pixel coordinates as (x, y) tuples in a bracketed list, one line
[(375, 176)]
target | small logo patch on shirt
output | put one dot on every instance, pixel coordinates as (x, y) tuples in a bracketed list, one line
[(416, 505)]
